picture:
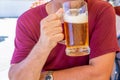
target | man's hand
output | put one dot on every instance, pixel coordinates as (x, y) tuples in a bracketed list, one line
[(51, 30)]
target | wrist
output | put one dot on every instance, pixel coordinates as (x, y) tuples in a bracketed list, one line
[(44, 45)]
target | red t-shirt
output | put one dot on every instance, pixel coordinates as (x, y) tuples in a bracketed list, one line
[(102, 36)]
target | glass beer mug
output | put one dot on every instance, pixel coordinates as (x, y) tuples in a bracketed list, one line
[(76, 28)]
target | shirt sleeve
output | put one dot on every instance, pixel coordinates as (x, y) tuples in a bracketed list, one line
[(27, 32), (23, 41), (103, 39)]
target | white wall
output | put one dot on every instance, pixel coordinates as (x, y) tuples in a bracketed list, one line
[(14, 8), (7, 28)]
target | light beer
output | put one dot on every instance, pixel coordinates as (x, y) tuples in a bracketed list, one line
[(76, 33)]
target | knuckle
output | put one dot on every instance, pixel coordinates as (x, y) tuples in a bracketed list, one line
[(59, 22), (61, 29), (54, 16), (62, 35)]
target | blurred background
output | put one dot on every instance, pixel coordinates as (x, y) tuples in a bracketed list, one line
[(10, 10), (14, 8)]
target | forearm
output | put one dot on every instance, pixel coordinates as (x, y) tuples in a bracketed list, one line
[(99, 68), (87, 72), (30, 68)]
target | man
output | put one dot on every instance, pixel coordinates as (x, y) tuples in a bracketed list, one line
[(39, 56)]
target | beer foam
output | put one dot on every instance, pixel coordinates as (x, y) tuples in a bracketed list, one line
[(80, 18)]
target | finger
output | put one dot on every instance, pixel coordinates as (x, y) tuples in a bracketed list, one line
[(55, 31), (57, 15), (55, 23), (50, 17), (58, 37), (52, 24)]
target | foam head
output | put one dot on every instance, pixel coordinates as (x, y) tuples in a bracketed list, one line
[(73, 16)]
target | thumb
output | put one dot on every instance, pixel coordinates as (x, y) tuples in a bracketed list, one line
[(59, 13)]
